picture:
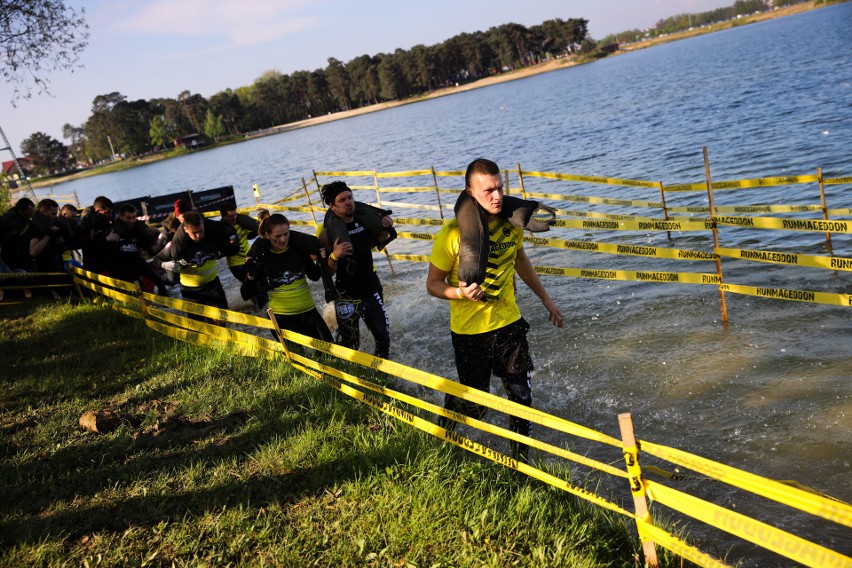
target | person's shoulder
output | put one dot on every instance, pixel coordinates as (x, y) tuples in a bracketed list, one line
[(259, 247), (449, 228)]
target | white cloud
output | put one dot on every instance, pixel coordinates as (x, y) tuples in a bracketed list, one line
[(228, 23)]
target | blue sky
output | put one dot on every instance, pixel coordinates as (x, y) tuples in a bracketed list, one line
[(158, 48)]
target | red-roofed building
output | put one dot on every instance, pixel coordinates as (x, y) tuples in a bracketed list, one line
[(26, 164)]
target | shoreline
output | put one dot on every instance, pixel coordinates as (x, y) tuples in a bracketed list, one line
[(545, 67), (531, 71)]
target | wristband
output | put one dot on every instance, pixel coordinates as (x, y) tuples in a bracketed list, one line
[(459, 293), (332, 257)]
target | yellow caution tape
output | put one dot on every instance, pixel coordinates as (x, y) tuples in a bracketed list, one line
[(743, 183), (115, 283), (836, 181), (679, 547), (616, 225), (749, 209), (225, 334), (415, 189), (301, 208), (795, 295), (418, 221), (418, 236), (362, 187), (680, 187), (633, 250), (765, 182), (598, 215), (370, 173), (775, 257), (35, 286), (478, 424), (461, 441), (387, 204), (298, 223), (762, 534), (634, 471), (108, 292), (638, 275), (593, 179), (409, 257), (818, 225), (209, 311), (811, 503), (404, 174), (450, 173), (31, 274), (127, 311), (597, 200), (436, 382), (839, 212), (207, 340)]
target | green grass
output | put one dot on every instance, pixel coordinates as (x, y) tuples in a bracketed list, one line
[(228, 460)]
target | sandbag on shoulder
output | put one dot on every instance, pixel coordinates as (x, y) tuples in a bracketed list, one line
[(519, 212), (304, 243), (473, 239), (368, 217), (473, 230)]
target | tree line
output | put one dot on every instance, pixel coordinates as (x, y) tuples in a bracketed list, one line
[(683, 22), (121, 126)]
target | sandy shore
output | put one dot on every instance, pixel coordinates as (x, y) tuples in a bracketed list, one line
[(493, 80)]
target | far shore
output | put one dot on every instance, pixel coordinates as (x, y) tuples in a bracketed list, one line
[(545, 67)]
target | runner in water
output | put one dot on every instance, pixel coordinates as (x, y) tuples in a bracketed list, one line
[(488, 333)]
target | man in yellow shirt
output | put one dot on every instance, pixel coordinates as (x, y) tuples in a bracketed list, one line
[(488, 332)]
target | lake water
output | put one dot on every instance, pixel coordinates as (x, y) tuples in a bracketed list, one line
[(769, 392)]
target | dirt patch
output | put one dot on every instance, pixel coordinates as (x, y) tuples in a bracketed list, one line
[(155, 418)]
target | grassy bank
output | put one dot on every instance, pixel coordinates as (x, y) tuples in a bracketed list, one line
[(220, 459)]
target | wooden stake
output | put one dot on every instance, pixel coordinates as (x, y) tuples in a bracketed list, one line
[(387, 256), (376, 184), (143, 307), (521, 181), (665, 209), (274, 321), (637, 487), (437, 193), (824, 210), (715, 235), (310, 204)]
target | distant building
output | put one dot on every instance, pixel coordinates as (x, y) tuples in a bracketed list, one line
[(26, 164), (190, 141)]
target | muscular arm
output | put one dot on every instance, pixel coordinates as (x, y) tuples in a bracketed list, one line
[(436, 285), (525, 270)]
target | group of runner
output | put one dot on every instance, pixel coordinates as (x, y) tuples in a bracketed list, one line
[(473, 264)]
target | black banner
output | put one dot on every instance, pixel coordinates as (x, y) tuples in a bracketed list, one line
[(213, 199), (158, 208)]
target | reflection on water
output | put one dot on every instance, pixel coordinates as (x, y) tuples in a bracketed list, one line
[(769, 392)]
